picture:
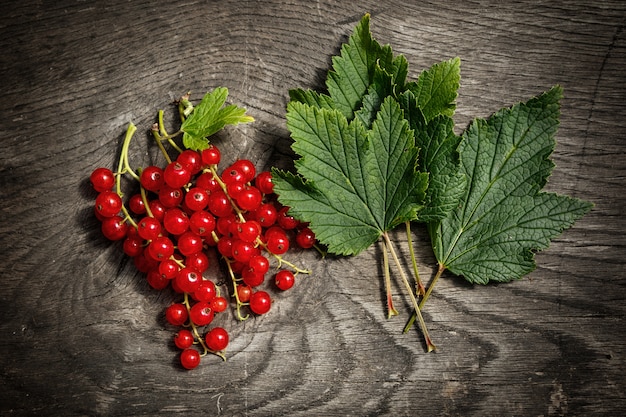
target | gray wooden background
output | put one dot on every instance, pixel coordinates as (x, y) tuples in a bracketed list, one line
[(81, 333)]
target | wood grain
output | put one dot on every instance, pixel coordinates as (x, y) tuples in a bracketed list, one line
[(82, 334)]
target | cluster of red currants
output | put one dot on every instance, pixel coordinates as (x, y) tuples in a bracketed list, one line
[(187, 209)]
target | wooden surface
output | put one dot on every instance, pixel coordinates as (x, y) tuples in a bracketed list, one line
[(82, 334)]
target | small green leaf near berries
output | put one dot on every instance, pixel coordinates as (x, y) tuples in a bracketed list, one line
[(209, 117)]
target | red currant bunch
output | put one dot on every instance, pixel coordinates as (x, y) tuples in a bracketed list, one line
[(185, 214)]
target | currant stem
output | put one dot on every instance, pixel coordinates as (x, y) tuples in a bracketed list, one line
[(440, 271), (124, 166), (235, 283), (158, 140), (391, 311), (197, 335), (282, 261), (213, 170), (419, 290), (144, 198), (429, 344)]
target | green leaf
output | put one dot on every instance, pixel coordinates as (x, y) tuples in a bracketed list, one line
[(438, 156), (382, 86), (436, 88), (209, 117), (353, 184), (353, 70), (504, 217)]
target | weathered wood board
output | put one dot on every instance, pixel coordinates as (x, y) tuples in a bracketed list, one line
[(83, 334)]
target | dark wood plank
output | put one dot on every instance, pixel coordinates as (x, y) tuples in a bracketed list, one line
[(82, 334)]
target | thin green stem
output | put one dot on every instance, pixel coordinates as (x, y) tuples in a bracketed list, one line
[(419, 290), (124, 166), (235, 293), (146, 203), (158, 139), (222, 184), (196, 334), (440, 271), (162, 130), (391, 311), (429, 344)]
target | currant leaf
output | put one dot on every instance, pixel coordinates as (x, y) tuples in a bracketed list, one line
[(353, 72), (209, 117), (436, 88), (438, 156), (353, 183), (503, 216), (353, 69)]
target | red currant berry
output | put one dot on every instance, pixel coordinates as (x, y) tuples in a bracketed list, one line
[(176, 175), (246, 168), (205, 292), (251, 278), (266, 215), (161, 248), (108, 204), (285, 220), (305, 238), (217, 339), (202, 223), (157, 208), (208, 183), (176, 314), (191, 160), (235, 188), (219, 204), (144, 263), (259, 264), (237, 267), (183, 339), (114, 228), (201, 313), (248, 231), (156, 280), (260, 302), (226, 224), (219, 304), (188, 279), (250, 198), (232, 175), (133, 246), (170, 197), (277, 242), (176, 221), (168, 269), (264, 182), (211, 155), (196, 199), (149, 228), (243, 293), (102, 179), (136, 204), (243, 251), (225, 247), (284, 279), (151, 178), (189, 243), (190, 358), (198, 261)]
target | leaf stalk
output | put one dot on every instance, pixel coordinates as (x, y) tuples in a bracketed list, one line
[(429, 344)]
